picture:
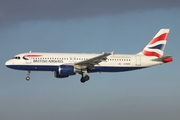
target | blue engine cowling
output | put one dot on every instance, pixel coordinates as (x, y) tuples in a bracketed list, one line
[(64, 71), (57, 75)]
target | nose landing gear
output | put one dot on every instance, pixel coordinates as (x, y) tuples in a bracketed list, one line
[(28, 76)]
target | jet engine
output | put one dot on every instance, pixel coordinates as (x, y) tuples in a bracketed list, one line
[(64, 71)]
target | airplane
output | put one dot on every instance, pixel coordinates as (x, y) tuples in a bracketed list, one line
[(67, 64)]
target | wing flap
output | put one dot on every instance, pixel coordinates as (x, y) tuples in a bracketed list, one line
[(93, 61)]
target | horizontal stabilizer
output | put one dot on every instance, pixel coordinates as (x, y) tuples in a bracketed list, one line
[(164, 59)]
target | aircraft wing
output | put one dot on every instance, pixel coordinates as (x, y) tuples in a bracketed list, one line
[(93, 61)]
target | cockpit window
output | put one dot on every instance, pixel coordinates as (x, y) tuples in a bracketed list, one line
[(16, 57)]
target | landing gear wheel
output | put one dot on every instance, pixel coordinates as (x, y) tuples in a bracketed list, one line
[(84, 79), (27, 78)]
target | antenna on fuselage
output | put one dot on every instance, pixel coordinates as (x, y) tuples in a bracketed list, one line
[(30, 51), (113, 52)]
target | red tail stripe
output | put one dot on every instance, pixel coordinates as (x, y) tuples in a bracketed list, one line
[(147, 53), (159, 38)]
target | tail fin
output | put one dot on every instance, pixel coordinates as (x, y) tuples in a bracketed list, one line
[(156, 46)]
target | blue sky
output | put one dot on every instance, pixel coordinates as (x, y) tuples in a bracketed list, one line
[(151, 93)]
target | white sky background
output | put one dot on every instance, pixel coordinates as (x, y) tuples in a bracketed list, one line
[(89, 27)]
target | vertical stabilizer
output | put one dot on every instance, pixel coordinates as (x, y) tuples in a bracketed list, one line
[(156, 46)]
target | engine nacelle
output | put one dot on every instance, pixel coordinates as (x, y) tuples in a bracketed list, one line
[(57, 75), (64, 71)]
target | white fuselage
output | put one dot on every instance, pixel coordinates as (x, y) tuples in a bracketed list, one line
[(67, 64), (52, 61)]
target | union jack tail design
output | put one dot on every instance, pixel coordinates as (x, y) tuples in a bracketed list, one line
[(156, 46)]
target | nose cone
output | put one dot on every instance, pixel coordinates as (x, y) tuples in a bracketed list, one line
[(8, 63)]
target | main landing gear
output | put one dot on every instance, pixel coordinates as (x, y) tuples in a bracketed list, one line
[(28, 76), (84, 77)]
